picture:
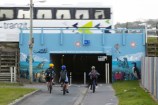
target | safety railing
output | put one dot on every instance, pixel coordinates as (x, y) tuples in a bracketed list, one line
[(82, 30)]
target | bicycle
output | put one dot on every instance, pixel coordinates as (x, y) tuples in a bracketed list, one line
[(93, 85), (64, 88), (49, 85)]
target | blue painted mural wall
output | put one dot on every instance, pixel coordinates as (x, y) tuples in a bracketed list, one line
[(124, 48)]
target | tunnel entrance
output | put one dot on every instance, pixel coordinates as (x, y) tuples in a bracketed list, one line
[(77, 64)]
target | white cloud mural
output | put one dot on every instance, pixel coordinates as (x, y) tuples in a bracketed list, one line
[(38, 58), (132, 57), (23, 57)]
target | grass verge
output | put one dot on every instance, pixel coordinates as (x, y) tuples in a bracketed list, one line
[(2, 84), (12, 91), (130, 93)]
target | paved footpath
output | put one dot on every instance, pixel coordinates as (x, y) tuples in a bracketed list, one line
[(43, 97), (104, 95), (79, 95)]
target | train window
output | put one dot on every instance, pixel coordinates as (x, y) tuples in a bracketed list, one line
[(23, 13), (108, 13), (6, 14), (44, 14), (82, 14), (63, 14), (99, 14)]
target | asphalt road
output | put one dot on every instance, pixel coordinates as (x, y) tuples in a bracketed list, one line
[(43, 97)]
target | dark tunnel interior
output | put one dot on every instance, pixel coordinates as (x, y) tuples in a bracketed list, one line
[(77, 64)]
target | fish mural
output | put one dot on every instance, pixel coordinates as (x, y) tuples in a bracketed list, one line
[(39, 66)]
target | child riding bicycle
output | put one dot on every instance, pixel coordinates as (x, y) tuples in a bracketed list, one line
[(50, 75), (63, 77), (93, 76)]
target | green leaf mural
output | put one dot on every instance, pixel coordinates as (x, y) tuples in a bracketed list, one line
[(107, 21), (87, 27)]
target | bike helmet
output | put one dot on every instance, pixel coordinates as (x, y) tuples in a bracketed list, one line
[(63, 67), (93, 67), (51, 65)]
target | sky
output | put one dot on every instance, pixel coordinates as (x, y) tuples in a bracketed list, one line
[(123, 10)]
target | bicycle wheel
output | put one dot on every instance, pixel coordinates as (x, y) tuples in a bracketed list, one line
[(64, 89), (94, 86), (50, 88)]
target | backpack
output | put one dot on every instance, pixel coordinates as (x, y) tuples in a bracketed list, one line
[(63, 75), (94, 74), (48, 73)]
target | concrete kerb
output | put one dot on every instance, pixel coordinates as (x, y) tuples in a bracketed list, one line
[(22, 98), (81, 97)]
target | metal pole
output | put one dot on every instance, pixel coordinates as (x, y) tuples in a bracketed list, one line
[(105, 72), (31, 42), (108, 72), (70, 78), (84, 78)]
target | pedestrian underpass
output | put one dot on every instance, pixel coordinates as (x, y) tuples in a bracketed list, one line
[(79, 51), (77, 64)]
